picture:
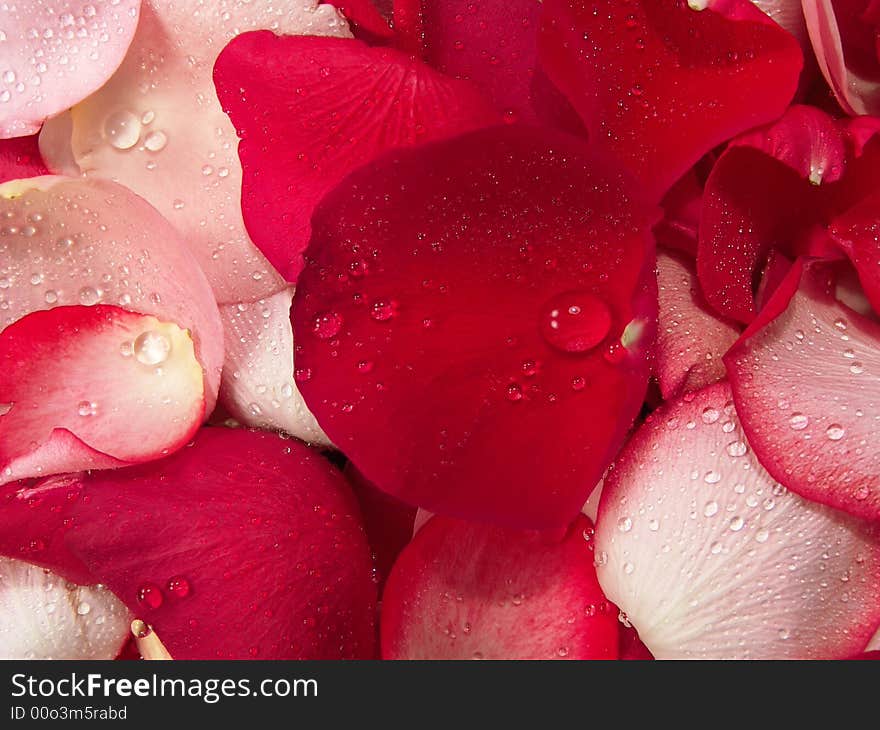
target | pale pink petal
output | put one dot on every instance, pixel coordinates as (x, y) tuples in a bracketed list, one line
[(691, 339), (710, 558), (157, 127), (55, 53), (66, 242), (259, 386), (42, 616)]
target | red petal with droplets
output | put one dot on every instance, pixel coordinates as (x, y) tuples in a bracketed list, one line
[(770, 189), (658, 84), (857, 232), (503, 304), (242, 545), (466, 591), (804, 378), (710, 558), (20, 157), (310, 110), (126, 386), (691, 339)]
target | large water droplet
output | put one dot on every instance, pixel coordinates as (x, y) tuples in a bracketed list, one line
[(575, 321), (178, 587), (150, 596), (152, 348), (835, 432), (122, 130), (798, 421), (327, 325)]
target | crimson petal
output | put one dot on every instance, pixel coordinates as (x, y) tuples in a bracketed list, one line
[(20, 157), (242, 545), (502, 304), (659, 84), (310, 110), (709, 557), (466, 591), (804, 378)]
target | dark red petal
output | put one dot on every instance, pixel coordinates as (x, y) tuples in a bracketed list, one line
[(710, 558), (804, 378), (242, 545), (682, 208), (310, 110), (631, 646), (658, 84), (389, 522), (768, 190), (127, 387), (775, 271), (494, 43), (691, 339), (502, 304), (467, 591), (365, 16), (20, 157)]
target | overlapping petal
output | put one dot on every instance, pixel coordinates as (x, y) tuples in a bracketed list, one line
[(467, 591), (56, 53), (659, 83), (804, 379), (20, 157), (503, 304), (242, 545), (709, 557)]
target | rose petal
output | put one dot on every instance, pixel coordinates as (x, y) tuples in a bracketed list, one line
[(856, 91), (259, 388), (365, 16), (55, 53), (428, 319), (494, 44), (805, 385), (310, 110), (127, 385), (68, 242), (157, 128), (690, 338), (790, 15), (857, 232), (20, 157), (44, 617), (658, 84), (710, 558), (768, 190), (242, 545), (466, 591)]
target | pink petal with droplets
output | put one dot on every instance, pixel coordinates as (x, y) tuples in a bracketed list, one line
[(710, 558), (56, 53), (157, 127), (804, 378)]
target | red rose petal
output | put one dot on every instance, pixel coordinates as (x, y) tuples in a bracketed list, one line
[(310, 110), (711, 558), (494, 44), (502, 305), (804, 382), (56, 53), (126, 385), (658, 84), (856, 87), (242, 545), (857, 232), (466, 591), (20, 157), (690, 338), (365, 16), (768, 190)]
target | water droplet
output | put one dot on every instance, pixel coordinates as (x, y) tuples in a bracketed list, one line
[(624, 524), (835, 432), (152, 348), (178, 587), (798, 421), (122, 130), (628, 568), (857, 368), (83, 609), (784, 634), (155, 141), (302, 375), (737, 448), (710, 509), (737, 523), (86, 408), (89, 296), (514, 392), (710, 415), (382, 310), (51, 296), (327, 325), (562, 651), (575, 321), (149, 595), (762, 535), (712, 477)]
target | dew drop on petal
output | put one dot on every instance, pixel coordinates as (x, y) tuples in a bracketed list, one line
[(152, 348), (574, 321)]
